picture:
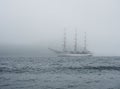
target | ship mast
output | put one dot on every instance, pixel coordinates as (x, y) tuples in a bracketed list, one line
[(75, 45), (64, 44)]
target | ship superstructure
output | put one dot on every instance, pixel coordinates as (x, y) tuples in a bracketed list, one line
[(75, 52)]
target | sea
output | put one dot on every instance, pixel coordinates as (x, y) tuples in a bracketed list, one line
[(21, 72)]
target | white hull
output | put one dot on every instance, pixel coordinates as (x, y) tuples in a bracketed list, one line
[(74, 55)]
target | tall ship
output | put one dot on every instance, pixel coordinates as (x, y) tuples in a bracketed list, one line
[(75, 53)]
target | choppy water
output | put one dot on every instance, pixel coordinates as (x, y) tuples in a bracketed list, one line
[(59, 73)]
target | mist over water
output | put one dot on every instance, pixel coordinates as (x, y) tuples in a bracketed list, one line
[(40, 24), (25, 51)]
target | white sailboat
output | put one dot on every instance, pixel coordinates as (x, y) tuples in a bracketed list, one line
[(75, 53)]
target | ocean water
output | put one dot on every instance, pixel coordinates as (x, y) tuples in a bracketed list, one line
[(59, 72)]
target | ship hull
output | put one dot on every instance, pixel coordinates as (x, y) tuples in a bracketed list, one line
[(74, 55)]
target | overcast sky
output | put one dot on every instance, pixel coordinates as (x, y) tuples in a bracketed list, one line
[(40, 23)]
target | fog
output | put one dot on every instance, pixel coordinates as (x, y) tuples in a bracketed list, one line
[(35, 25)]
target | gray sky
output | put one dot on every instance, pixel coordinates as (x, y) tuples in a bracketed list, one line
[(40, 23)]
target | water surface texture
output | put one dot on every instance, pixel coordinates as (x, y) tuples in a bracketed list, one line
[(59, 73)]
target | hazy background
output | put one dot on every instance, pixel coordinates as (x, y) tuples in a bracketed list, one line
[(31, 26)]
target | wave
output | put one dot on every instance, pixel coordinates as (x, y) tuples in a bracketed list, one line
[(94, 68), (57, 69)]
